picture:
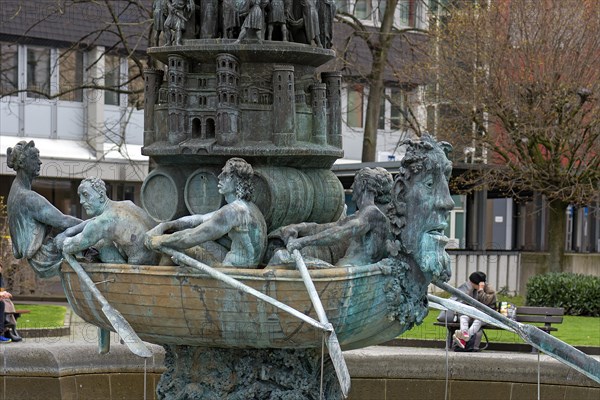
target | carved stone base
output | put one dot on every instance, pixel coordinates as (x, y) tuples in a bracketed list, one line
[(246, 374)]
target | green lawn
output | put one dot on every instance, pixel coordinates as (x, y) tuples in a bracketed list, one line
[(41, 316), (576, 331)]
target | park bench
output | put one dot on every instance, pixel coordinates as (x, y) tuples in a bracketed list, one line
[(11, 329), (547, 316)]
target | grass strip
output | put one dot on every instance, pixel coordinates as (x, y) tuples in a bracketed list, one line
[(576, 331), (41, 316)]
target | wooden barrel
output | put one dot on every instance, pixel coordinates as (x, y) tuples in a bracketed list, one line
[(328, 202), (284, 195), (162, 193), (201, 192)]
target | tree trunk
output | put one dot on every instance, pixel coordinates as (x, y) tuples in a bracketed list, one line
[(557, 230), (369, 150), (380, 54)]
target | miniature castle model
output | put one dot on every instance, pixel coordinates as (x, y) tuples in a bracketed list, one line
[(234, 104), (215, 97)]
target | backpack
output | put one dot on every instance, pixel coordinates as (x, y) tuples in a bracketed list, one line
[(471, 346)]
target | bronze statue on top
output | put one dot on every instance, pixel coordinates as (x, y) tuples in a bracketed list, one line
[(277, 16), (209, 19), (254, 22), (310, 20), (179, 12), (230, 19), (159, 13), (327, 10)]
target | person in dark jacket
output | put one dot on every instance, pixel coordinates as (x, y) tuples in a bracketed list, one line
[(480, 290)]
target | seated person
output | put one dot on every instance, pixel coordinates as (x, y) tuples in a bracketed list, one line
[(203, 237), (117, 228), (4, 295), (477, 288), (367, 231), (10, 321)]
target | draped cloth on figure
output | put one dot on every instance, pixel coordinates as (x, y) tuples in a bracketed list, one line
[(34, 241)]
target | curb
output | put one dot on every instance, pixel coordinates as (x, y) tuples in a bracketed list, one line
[(512, 347)]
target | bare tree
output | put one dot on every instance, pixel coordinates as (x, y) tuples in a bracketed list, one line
[(521, 79), (117, 28), (373, 54)]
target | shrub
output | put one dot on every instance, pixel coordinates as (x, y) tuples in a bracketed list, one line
[(577, 294)]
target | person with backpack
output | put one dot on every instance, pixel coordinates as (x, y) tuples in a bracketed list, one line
[(478, 288)]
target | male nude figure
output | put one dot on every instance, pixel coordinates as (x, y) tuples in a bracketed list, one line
[(116, 227)]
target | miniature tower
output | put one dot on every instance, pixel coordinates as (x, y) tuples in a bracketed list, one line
[(284, 105), (228, 112), (319, 108), (333, 80), (177, 99), (152, 81)]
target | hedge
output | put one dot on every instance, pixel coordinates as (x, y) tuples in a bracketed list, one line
[(578, 294)]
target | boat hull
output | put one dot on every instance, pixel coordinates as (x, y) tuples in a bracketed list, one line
[(173, 305)]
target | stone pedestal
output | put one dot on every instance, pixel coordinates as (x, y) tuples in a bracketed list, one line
[(246, 374)]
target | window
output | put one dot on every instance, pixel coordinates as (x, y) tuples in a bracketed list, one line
[(38, 72), (112, 74), (125, 192), (381, 4), (355, 106), (363, 9), (59, 192), (342, 5), (119, 191), (398, 111), (71, 75), (9, 62), (406, 10), (436, 6), (407, 13)]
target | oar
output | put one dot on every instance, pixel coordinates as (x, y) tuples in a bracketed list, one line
[(445, 304), (333, 345), (117, 321), (539, 339), (184, 259)]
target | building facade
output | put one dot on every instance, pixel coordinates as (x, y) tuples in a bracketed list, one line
[(71, 91), (92, 124)]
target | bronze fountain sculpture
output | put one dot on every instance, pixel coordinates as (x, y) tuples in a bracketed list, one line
[(262, 283)]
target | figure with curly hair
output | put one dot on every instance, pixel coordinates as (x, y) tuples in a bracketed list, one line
[(367, 231), (32, 220), (233, 236), (116, 228), (421, 205)]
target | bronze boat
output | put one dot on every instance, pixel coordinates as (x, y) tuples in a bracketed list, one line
[(176, 305)]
